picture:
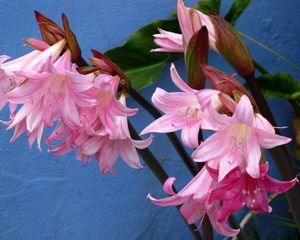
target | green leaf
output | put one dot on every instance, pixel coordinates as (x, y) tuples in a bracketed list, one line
[(286, 224), (237, 8), (207, 6), (140, 66), (281, 85)]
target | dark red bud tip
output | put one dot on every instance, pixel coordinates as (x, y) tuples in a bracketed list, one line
[(110, 64), (50, 31), (71, 40)]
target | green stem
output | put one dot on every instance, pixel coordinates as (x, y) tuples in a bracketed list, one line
[(280, 153), (259, 67), (172, 136), (159, 172)]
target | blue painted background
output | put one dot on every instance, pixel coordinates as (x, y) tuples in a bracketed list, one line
[(46, 197)]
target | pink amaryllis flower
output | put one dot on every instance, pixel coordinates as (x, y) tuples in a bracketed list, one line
[(107, 148), (53, 92), (239, 188), (29, 62), (183, 110), (108, 107), (237, 142), (194, 200), (190, 21), (93, 139)]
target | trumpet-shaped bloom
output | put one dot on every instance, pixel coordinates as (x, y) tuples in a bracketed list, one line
[(190, 21), (52, 93), (29, 62), (194, 199), (239, 188), (93, 139), (108, 107), (183, 110), (238, 142)]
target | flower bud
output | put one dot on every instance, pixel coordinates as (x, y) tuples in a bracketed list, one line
[(231, 47), (197, 52), (105, 64), (223, 82), (51, 32)]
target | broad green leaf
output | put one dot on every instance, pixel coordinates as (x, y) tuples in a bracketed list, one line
[(207, 6), (281, 85), (197, 53), (140, 66), (237, 8)]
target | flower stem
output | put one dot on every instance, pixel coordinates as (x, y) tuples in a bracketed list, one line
[(159, 172), (280, 153), (172, 136)]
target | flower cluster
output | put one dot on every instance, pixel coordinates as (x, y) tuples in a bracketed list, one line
[(44, 89), (235, 174)]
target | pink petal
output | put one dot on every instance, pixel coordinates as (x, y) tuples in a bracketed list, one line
[(128, 153), (166, 123), (244, 112), (92, 145), (228, 208), (171, 102), (19, 129), (60, 149), (192, 210), (268, 140), (178, 81), (79, 82), (263, 124), (170, 201), (190, 134), (141, 144), (107, 156), (206, 95), (212, 148), (213, 120), (34, 118), (253, 155), (22, 113), (168, 186), (275, 186), (69, 112), (184, 20), (220, 226), (64, 62), (28, 91)]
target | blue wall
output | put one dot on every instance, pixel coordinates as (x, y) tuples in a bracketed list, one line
[(47, 197)]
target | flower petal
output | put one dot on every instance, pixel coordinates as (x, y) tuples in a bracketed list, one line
[(275, 186), (128, 153), (244, 112), (178, 81), (166, 123), (268, 140), (190, 134), (171, 102)]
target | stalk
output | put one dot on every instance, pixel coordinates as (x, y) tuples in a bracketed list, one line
[(172, 136), (159, 172)]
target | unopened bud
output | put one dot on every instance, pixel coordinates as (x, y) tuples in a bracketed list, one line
[(230, 45)]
